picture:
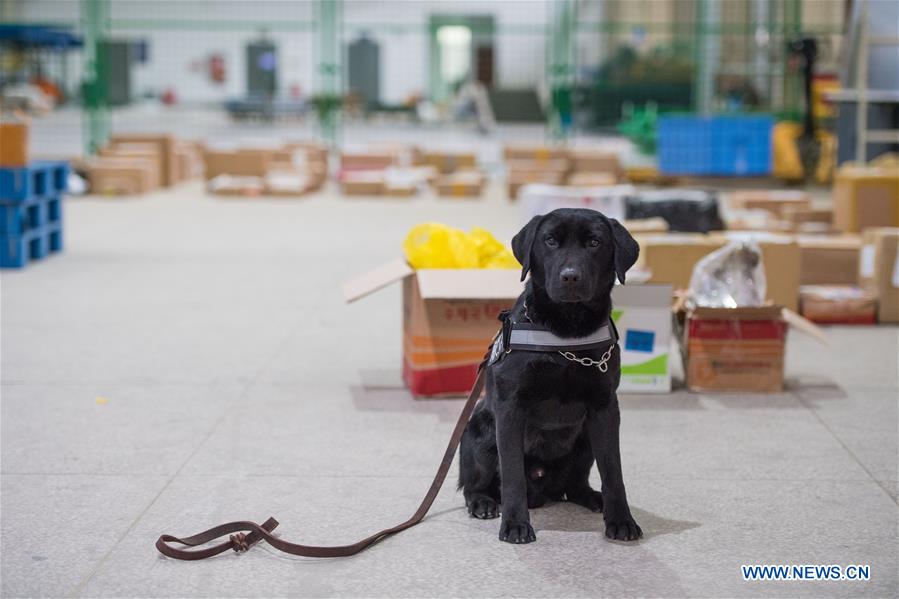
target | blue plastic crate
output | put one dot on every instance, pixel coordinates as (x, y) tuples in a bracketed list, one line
[(17, 250), (39, 179), (718, 145), (17, 218)]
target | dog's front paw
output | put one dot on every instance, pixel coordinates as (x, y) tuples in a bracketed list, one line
[(623, 529), (516, 532), (483, 507)]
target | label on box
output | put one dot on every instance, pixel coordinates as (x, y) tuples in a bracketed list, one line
[(636, 340), (866, 261)]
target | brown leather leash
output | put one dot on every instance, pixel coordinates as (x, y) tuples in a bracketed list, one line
[(243, 535)]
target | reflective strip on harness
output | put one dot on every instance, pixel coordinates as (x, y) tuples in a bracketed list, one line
[(533, 338)]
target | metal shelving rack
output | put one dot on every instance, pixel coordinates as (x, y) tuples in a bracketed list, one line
[(863, 95)]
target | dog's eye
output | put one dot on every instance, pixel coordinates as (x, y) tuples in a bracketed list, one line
[(594, 243), (551, 241)]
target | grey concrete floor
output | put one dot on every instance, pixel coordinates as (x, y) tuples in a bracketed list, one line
[(188, 361)]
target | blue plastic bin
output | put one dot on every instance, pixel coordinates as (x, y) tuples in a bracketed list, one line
[(728, 146)]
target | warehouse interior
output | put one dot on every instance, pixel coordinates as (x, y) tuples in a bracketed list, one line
[(253, 253)]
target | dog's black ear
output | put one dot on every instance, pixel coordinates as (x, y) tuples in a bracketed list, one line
[(523, 242), (627, 250)]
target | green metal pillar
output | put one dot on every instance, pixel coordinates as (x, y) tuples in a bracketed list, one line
[(708, 54), (560, 49), (330, 72), (95, 117)]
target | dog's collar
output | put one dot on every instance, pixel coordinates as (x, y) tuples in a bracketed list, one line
[(528, 336)]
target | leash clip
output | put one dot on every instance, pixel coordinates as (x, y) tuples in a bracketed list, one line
[(239, 542)]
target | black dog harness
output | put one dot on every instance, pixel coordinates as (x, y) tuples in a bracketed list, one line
[(527, 336)]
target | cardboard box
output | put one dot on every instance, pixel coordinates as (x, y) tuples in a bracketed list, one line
[(13, 144), (595, 161), (120, 176), (166, 144), (755, 220), (450, 162), (838, 304), (879, 270), (317, 172), (865, 197), (400, 190), (367, 160), (411, 176), (236, 186), (829, 260), (461, 184), (583, 179), (648, 175), (533, 152), (236, 163), (147, 153), (783, 265), (449, 320), (538, 199), (655, 224), (771, 200), (670, 257), (362, 183), (313, 151), (733, 349), (797, 216), (642, 315), (189, 161), (518, 179), (288, 184), (522, 165)]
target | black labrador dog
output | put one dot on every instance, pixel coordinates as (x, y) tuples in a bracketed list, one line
[(546, 419)]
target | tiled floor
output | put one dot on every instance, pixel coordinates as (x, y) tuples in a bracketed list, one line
[(189, 361)]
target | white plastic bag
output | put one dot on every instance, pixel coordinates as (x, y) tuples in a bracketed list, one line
[(731, 277)]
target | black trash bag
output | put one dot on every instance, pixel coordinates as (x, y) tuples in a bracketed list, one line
[(685, 210)]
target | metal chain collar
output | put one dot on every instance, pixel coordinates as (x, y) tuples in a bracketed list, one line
[(602, 363)]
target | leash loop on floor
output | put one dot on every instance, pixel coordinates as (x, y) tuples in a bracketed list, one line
[(243, 535)]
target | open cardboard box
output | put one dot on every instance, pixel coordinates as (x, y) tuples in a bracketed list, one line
[(736, 349), (449, 320)]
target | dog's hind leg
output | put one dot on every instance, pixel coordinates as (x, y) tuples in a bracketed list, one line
[(577, 489), (478, 467)]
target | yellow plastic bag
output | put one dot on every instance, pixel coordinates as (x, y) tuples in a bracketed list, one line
[(434, 245)]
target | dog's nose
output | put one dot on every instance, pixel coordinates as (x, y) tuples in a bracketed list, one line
[(570, 276)]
